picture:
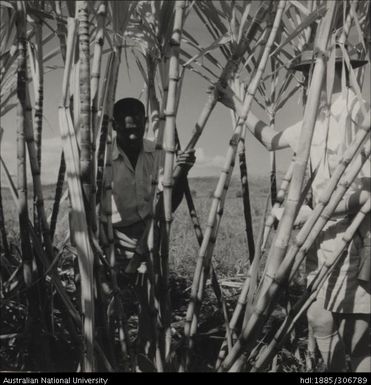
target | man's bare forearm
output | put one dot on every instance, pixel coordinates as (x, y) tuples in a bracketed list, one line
[(270, 138)]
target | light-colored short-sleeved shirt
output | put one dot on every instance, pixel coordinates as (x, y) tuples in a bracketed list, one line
[(341, 292), (133, 189), (329, 143)]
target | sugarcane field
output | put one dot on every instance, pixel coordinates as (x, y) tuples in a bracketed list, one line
[(185, 186)]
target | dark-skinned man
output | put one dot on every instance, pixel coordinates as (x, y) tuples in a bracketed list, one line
[(135, 176)]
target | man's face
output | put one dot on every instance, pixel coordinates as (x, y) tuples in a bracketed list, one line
[(130, 129)]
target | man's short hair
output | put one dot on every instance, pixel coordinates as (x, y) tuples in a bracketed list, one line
[(127, 106)]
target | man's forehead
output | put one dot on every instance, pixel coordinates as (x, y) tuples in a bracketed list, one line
[(136, 114), (128, 107), (131, 115)]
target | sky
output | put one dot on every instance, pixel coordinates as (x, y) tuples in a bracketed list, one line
[(212, 146)]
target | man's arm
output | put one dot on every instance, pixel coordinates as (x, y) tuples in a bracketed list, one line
[(185, 161), (352, 203), (267, 136)]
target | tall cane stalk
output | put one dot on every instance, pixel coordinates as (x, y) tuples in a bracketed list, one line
[(95, 77), (248, 287), (39, 98), (57, 195), (246, 196), (4, 238), (103, 122), (279, 200), (36, 177), (170, 112), (86, 158), (34, 325), (310, 115), (107, 110), (207, 246), (79, 227), (61, 32), (21, 153), (169, 147)]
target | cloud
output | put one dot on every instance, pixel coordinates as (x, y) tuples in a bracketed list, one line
[(207, 165)]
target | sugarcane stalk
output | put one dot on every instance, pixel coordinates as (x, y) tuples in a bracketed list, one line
[(157, 267), (21, 153), (279, 200), (38, 81), (214, 278), (61, 30), (273, 178), (199, 236), (190, 326), (310, 115), (34, 325), (103, 121), (219, 197), (169, 147), (311, 293), (61, 33), (207, 246), (35, 170), (69, 307), (246, 196), (41, 224), (4, 238), (58, 195), (313, 226), (78, 218), (284, 331), (247, 287), (95, 78), (85, 112), (160, 119), (107, 110), (39, 89), (153, 281), (169, 140), (304, 194)]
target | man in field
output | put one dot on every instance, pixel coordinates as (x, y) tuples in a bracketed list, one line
[(135, 166), (340, 317), (136, 169)]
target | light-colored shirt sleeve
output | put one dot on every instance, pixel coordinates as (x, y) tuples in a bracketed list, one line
[(291, 135)]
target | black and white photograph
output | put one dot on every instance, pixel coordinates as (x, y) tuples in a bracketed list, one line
[(185, 187)]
